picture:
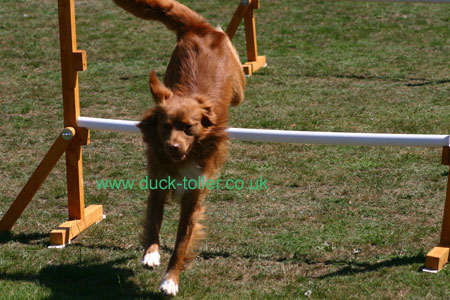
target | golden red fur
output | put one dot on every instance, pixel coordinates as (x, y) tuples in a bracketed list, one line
[(185, 132)]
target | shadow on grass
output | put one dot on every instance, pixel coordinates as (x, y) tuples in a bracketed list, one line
[(347, 267), (24, 238), (421, 81), (86, 281), (353, 268), (432, 82)]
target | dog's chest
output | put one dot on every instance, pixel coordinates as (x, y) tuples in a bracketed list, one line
[(188, 177)]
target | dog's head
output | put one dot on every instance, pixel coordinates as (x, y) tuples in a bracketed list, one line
[(176, 123)]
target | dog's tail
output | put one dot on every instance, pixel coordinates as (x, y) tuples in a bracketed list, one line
[(173, 14)]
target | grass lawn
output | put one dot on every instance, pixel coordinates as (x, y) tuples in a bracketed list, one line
[(335, 222)]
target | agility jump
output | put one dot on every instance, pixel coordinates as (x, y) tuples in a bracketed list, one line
[(77, 134)]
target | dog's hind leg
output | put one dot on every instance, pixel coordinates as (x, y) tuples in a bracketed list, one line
[(189, 231), (152, 226)]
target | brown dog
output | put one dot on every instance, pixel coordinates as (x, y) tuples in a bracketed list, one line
[(185, 132)]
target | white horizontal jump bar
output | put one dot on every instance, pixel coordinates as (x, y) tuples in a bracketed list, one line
[(108, 124), (288, 136), (340, 138)]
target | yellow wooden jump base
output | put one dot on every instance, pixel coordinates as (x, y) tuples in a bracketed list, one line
[(73, 137)]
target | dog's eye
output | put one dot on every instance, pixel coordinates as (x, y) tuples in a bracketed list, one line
[(188, 129)]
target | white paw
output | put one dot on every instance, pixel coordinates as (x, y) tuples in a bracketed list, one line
[(168, 287), (151, 260)]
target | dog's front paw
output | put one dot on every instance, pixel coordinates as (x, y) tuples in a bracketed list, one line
[(151, 260), (168, 287)]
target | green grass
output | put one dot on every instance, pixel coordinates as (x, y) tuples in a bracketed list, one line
[(335, 222)]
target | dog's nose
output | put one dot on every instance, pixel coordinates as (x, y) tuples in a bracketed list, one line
[(173, 148)]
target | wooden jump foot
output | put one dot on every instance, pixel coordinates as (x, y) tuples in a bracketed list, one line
[(70, 229), (252, 66), (437, 258)]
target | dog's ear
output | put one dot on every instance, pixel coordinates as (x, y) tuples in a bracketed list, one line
[(208, 115), (159, 91)]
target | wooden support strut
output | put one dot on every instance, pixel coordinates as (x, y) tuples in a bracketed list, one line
[(438, 256), (245, 11), (37, 179), (237, 18)]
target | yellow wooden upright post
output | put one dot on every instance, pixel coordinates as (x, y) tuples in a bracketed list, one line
[(245, 11), (72, 61), (254, 62), (438, 256), (445, 233)]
